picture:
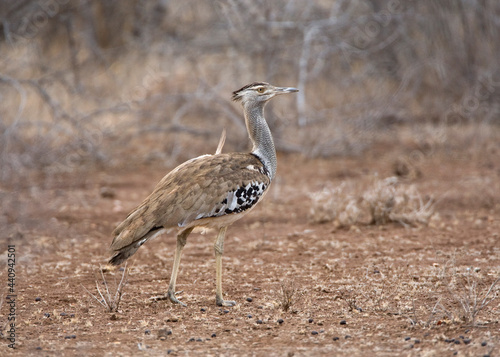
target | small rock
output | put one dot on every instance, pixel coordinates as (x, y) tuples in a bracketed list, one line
[(449, 340), (484, 343), (173, 319), (314, 332), (46, 314), (417, 341), (225, 311), (249, 299), (311, 321), (38, 348), (467, 341), (203, 310), (457, 342), (343, 322), (335, 338), (347, 336), (38, 299), (192, 339), (63, 314), (147, 332), (249, 316), (107, 192), (213, 335), (70, 337), (259, 322), (280, 321), (199, 340), (407, 338)]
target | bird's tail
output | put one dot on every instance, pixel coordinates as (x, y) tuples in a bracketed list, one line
[(123, 253), (133, 232)]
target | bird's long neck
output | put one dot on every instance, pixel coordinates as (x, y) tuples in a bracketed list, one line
[(260, 135)]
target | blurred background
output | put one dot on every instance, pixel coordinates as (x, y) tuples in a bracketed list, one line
[(110, 83)]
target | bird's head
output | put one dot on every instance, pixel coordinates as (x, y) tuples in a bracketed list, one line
[(260, 92)]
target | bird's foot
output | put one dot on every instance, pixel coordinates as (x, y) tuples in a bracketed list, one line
[(227, 303), (171, 296)]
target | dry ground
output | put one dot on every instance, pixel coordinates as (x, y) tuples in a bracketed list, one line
[(365, 290)]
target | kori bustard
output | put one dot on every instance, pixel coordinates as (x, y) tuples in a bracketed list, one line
[(208, 191)]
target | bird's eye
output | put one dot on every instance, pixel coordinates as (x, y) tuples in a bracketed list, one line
[(260, 89)]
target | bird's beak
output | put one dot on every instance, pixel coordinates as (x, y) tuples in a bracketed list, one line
[(283, 90)]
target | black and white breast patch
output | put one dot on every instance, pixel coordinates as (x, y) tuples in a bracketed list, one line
[(238, 200)]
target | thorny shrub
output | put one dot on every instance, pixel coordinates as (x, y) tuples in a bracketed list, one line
[(382, 202)]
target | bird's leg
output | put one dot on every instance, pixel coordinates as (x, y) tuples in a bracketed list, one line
[(181, 242), (219, 250)]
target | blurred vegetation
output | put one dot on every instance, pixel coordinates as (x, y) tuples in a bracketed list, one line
[(118, 82)]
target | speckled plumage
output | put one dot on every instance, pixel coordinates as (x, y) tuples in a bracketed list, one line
[(208, 191), (193, 194)]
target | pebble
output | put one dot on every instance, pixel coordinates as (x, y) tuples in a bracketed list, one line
[(457, 342), (38, 299), (70, 337), (417, 341), (259, 322), (483, 343), (214, 335), (63, 314), (46, 314), (249, 316), (335, 338), (467, 341), (249, 299), (311, 321), (347, 336), (314, 332), (407, 338), (343, 322), (280, 321), (203, 310), (147, 332), (225, 311)]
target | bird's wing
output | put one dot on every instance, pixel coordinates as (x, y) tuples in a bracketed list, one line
[(204, 187)]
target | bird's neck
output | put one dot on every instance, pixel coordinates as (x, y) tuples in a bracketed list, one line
[(260, 135)]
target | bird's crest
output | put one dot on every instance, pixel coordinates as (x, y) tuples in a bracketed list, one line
[(237, 93)]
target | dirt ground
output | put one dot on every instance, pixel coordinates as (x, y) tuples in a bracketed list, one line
[(302, 289)]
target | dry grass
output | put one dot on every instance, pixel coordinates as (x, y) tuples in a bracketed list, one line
[(382, 202), (465, 295), (289, 295), (110, 301)]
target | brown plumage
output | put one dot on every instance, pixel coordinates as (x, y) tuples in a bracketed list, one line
[(208, 191)]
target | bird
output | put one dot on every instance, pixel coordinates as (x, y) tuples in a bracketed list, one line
[(211, 191)]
